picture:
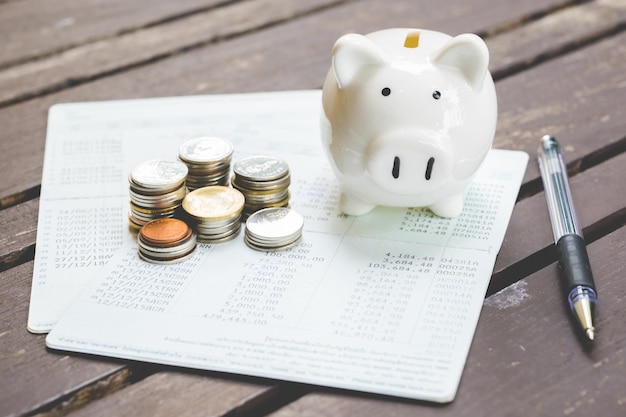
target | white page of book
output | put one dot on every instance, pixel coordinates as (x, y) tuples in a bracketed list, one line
[(91, 149), (387, 302)]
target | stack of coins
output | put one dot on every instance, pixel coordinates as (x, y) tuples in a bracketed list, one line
[(208, 160), (157, 189), (264, 181), (273, 229), (214, 212), (165, 241)]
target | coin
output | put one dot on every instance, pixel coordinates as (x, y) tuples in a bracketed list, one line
[(213, 203), (205, 149), (164, 230), (156, 201), (165, 241), (208, 161), (250, 186), (156, 190), (273, 228), (167, 261), (263, 180), (158, 174), (261, 168)]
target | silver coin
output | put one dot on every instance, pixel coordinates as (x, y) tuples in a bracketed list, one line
[(276, 226), (221, 238), (181, 247), (145, 218), (204, 230), (249, 186), (154, 192), (267, 199), (193, 183), (158, 174), (170, 261), (173, 198), (217, 236), (268, 244), (168, 254), (209, 167), (205, 149), (261, 168), (207, 174), (263, 248)]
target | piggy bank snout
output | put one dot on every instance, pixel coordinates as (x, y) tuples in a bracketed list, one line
[(405, 164)]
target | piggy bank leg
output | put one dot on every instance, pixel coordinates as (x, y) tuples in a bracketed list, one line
[(354, 206), (449, 207)]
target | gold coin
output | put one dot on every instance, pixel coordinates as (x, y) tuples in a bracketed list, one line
[(164, 231), (215, 202)]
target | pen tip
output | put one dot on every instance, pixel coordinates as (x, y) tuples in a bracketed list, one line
[(590, 334)]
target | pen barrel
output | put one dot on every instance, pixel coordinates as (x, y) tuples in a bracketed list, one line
[(574, 261), (557, 191)]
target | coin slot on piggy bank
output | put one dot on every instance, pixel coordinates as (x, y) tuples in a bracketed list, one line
[(412, 39), (408, 117)]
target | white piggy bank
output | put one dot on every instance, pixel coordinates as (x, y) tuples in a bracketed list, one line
[(408, 117)]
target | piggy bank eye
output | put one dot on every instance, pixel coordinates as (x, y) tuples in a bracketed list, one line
[(385, 91), (436, 95)]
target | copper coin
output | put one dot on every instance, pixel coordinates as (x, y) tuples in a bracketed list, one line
[(163, 231)]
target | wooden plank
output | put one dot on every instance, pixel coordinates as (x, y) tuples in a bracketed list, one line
[(575, 97), (266, 60), (31, 375), (113, 54), (181, 394), (19, 232), (510, 88), (525, 359), (532, 210), (33, 28), (528, 244), (560, 31), (258, 63), (37, 379), (103, 57)]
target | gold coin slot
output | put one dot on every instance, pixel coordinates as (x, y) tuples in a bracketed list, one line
[(412, 40)]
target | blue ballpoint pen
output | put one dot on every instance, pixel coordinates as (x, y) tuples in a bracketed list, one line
[(571, 250)]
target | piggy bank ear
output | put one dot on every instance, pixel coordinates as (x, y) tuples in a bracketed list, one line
[(467, 53), (351, 54)]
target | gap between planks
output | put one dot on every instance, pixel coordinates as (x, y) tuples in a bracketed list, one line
[(185, 19), (125, 31), (503, 69), (190, 26), (620, 215)]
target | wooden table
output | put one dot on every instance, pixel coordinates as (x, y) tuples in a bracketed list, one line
[(559, 66)]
